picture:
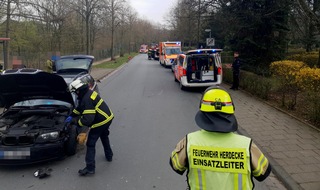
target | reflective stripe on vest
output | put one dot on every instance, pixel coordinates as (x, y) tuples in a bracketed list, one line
[(218, 161), (262, 162), (176, 163)]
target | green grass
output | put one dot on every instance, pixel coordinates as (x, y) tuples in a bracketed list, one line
[(115, 63)]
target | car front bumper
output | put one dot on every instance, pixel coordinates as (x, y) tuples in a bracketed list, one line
[(18, 155)]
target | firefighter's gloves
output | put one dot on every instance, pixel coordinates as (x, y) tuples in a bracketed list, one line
[(69, 119), (82, 138)]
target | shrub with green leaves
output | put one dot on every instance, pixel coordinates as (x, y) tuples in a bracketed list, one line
[(311, 59)]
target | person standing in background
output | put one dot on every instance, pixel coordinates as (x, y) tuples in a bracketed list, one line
[(235, 71)]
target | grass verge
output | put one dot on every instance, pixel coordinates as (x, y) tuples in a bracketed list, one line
[(116, 63)]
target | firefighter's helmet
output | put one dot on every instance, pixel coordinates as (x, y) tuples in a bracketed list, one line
[(216, 111), (77, 85), (216, 99)]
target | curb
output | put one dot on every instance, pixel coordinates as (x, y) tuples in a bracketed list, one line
[(278, 171)]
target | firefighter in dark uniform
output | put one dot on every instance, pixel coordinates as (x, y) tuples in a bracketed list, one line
[(95, 114), (215, 156)]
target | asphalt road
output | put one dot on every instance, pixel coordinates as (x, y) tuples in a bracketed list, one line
[(151, 115)]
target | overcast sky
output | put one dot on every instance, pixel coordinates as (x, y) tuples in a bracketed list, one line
[(153, 10)]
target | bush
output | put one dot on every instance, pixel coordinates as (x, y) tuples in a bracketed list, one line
[(311, 59), (295, 85), (227, 73), (255, 84), (308, 79), (286, 71)]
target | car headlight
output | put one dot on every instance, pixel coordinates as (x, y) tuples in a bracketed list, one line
[(49, 136)]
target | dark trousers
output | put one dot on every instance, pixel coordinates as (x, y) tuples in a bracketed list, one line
[(235, 84), (101, 132)]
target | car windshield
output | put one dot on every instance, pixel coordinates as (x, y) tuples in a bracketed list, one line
[(73, 63), (170, 51), (41, 102)]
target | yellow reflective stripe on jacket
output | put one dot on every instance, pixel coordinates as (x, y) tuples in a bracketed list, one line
[(175, 162), (94, 95), (89, 112), (99, 103), (76, 112), (80, 124), (261, 164), (108, 118)]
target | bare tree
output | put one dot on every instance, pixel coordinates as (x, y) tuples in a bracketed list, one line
[(87, 9), (114, 9), (312, 11), (8, 12), (131, 19)]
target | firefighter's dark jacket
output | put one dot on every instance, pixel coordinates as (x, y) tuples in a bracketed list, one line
[(93, 111), (236, 64)]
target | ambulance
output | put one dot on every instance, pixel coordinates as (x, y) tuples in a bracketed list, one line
[(168, 52), (198, 68)]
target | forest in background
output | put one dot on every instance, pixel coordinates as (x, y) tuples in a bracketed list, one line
[(262, 31)]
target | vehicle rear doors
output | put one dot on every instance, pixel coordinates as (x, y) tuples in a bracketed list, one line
[(203, 65), (181, 71)]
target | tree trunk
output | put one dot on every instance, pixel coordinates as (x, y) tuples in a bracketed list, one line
[(6, 43)]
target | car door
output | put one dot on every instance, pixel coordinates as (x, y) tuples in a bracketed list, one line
[(180, 67)]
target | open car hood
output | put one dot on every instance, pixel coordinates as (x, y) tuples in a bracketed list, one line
[(26, 84), (73, 64)]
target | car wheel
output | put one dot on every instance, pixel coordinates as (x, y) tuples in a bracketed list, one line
[(182, 87), (71, 143)]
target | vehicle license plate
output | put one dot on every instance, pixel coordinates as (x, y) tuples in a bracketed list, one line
[(15, 153)]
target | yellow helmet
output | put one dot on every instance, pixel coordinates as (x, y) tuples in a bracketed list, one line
[(215, 99), (216, 112)]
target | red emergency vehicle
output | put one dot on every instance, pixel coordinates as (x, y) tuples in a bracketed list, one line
[(168, 52)]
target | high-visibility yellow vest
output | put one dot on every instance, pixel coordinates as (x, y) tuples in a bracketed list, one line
[(218, 161)]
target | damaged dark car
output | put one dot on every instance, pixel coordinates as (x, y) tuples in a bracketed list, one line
[(72, 67), (32, 124)]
